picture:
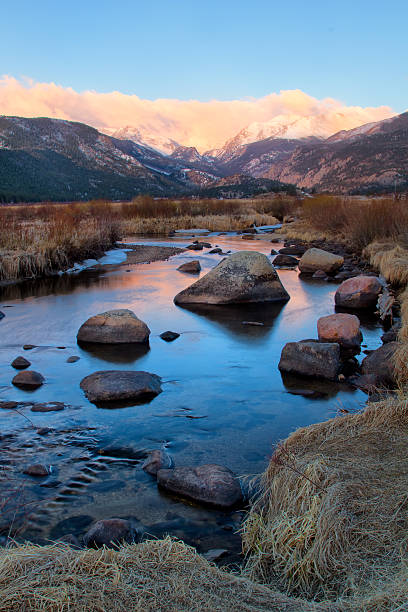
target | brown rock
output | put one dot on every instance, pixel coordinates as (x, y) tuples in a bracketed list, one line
[(192, 267), (358, 292), (120, 386), (73, 359), (341, 328), (48, 407), (28, 379), (20, 363), (311, 358), (320, 274), (114, 327), (210, 484), (286, 261), (380, 363), (8, 405), (244, 277), (317, 259), (109, 532)]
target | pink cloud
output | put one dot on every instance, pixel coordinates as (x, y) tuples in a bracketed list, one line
[(205, 125)]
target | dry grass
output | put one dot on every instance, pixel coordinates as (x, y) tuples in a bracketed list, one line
[(356, 221), (40, 240), (163, 575), (332, 520)]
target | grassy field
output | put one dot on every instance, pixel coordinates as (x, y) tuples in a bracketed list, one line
[(37, 240)]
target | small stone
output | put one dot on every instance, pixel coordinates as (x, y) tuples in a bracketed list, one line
[(169, 336), (120, 326), (286, 261), (20, 363), (42, 431), (274, 252), (8, 405), (215, 251), (320, 274), (120, 386), (2, 315), (73, 359), (69, 538), (36, 469), (157, 460), (192, 267), (28, 379), (28, 347), (195, 247), (214, 554), (48, 407)]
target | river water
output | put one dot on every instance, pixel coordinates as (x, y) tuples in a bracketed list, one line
[(223, 401)]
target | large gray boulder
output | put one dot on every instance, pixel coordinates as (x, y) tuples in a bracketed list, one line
[(210, 484), (358, 292), (311, 358), (114, 327), (246, 276), (318, 259), (120, 386)]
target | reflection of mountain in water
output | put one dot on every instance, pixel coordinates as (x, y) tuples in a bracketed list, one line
[(231, 317)]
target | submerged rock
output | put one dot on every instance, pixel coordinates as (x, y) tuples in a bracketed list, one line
[(246, 276), (120, 385), (320, 274), (2, 315), (37, 469), (28, 379), (48, 407), (311, 358), (73, 359), (317, 259), (20, 363), (192, 267), (157, 460), (169, 336), (28, 347), (114, 327), (215, 251), (110, 532), (343, 329), (358, 292), (209, 484)]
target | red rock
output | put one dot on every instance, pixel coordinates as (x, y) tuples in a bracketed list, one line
[(358, 292)]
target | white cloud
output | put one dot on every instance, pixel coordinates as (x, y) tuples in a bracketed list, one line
[(205, 125)]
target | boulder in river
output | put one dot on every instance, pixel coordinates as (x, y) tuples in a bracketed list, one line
[(157, 460), (246, 276), (318, 259), (380, 363), (216, 251), (358, 292), (28, 379), (192, 267), (341, 328), (196, 246), (210, 484), (286, 261), (120, 386), (109, 532), (311, 358), (114, 327), (20, 363), (293, 250)]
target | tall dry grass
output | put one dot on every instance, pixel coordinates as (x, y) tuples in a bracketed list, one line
[(331, 521), (356, 221), (38, 240)]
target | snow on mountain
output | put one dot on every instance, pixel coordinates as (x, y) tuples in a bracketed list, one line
[(146, 138)]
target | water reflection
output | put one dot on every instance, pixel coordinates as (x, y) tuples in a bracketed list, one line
[(116, 353)]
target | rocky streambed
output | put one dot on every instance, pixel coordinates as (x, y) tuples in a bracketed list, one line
[(214, 411)]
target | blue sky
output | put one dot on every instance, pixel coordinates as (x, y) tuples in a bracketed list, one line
[(356, 52)]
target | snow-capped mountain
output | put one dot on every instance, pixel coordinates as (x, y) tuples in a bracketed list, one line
[(145, 137)]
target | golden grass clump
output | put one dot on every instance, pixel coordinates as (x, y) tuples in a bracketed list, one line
[(332, 519), (157, 575), (390, 259)]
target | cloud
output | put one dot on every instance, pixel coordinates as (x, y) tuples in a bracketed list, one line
[(205, 125)]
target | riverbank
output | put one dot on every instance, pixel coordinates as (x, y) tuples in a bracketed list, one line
[(41, 240)]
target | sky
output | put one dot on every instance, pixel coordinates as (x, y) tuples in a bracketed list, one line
[(353, 53)]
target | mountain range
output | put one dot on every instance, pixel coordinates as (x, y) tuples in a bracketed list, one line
[(52, 159)]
